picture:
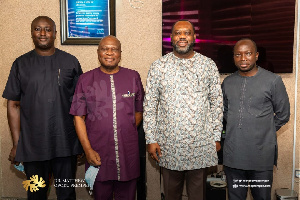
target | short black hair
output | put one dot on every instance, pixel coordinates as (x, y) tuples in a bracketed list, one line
[(183, 20), (43, 17), (255, 47)]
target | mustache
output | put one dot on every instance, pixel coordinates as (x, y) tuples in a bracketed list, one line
[(181, 40)]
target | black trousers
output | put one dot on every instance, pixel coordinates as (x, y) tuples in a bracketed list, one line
[(238, 182), (63, 170), (174, 183)]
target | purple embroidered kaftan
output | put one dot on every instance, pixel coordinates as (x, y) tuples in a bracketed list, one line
[(109, 103)]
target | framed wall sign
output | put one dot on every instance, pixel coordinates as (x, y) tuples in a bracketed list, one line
[(86, 21)]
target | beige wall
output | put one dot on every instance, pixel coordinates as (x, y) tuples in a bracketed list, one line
[(139, 31)]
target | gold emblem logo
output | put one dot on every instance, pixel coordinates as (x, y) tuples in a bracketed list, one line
[(34, 183)]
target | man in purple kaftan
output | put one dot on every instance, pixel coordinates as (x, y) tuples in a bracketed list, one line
[(108, 105)]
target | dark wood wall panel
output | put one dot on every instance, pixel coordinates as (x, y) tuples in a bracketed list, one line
[(219, 24)]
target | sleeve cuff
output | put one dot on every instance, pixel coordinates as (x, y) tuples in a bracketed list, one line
[(150, 141)]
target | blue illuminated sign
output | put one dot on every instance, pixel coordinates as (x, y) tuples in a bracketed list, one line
[(88, 19)]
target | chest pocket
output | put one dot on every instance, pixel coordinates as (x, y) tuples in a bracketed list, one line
[(255, 105), (65, 77)]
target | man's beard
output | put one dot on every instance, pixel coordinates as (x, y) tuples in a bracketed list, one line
[(43, 46), (187, 49)]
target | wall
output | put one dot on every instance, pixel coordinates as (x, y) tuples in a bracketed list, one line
[(297, 117), (139, 31)]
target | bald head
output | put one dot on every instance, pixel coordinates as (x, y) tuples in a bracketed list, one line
[(110, 39), (245, 40)]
